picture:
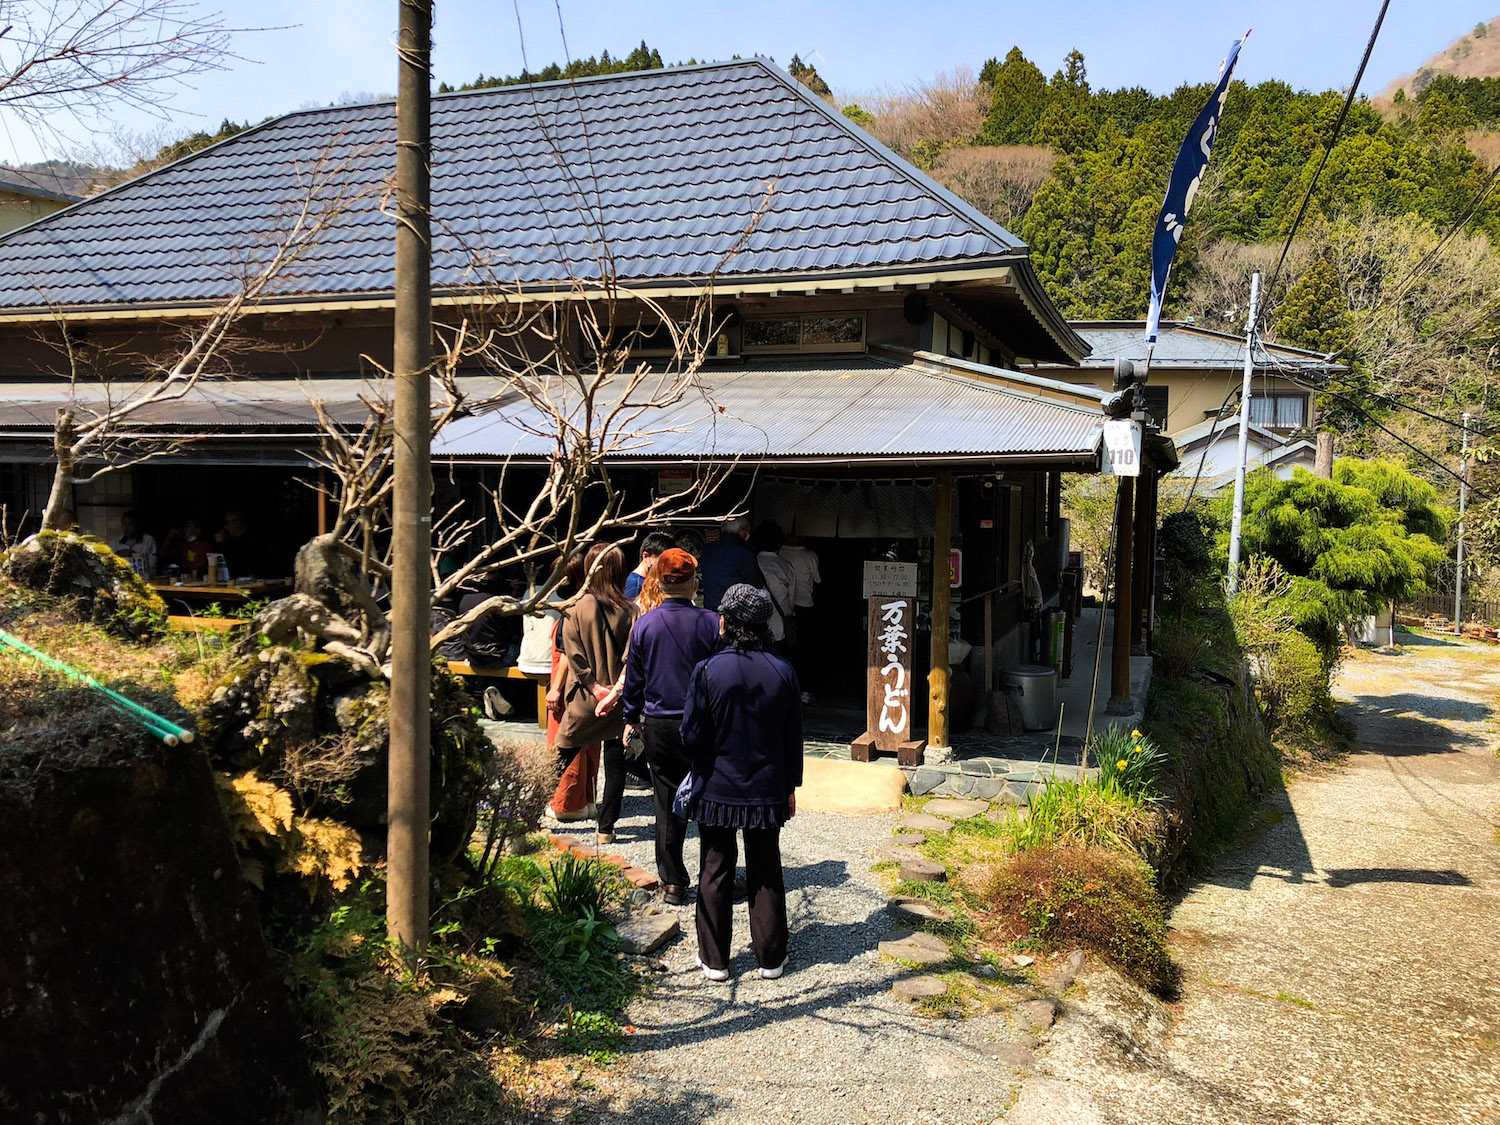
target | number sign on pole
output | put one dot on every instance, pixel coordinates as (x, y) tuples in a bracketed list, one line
[(1122, 448)]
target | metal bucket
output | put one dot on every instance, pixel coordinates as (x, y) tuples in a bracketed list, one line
[(1035, 688)]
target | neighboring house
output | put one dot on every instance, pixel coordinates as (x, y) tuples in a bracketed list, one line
[(1196, 373), (27, 196), (1210, 450), (874, 326)]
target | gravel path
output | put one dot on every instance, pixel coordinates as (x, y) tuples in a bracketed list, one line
[(825, 1043), (1344, 967)]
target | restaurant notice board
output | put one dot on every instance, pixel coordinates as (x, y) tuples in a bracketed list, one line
[(889, 691)]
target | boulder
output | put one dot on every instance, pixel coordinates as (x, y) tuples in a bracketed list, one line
[(646, 933), (831, 785), (148, 991)]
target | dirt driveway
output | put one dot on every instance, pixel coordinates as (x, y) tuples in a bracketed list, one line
[(1344, 966)]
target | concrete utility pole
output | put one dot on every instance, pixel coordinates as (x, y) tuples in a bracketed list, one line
[(1119, 657), (407, 909), (1237, 522), (1463, 503)]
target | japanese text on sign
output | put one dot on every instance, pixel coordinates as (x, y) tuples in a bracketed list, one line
[(894, 710)]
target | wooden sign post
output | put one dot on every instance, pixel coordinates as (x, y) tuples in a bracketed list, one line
[(888, 684)]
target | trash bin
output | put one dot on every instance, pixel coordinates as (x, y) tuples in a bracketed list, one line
[(1035, 688)]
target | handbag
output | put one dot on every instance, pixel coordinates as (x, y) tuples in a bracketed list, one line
[(689, 790)]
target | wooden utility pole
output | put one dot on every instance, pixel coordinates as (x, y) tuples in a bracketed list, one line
[(1119, 662), (942, 600), (1141, 566), (1323, 458), (411, 661)]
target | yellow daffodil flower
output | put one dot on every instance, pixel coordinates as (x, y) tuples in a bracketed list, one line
[(1122, 763)]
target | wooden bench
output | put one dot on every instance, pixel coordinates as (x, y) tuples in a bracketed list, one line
[(511, 672)]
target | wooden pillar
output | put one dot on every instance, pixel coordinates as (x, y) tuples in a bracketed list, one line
[(937, 679), (1119, 667), (1141, 564), (322, 500)]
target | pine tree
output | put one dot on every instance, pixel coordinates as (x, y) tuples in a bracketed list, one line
[(1018, 97)]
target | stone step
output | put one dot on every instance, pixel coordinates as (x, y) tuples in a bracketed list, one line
[(646, 933), (954, 808), (924, 987), (923, 870), (909, 839), (894, 853), (926, 822), (915, 911), (917, 949)]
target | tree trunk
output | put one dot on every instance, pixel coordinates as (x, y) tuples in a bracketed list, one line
[(1323, 459), (61, 496)]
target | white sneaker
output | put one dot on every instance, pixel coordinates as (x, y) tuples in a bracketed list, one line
[(496, 706), (713, 974), (588, 812), (772, 974)]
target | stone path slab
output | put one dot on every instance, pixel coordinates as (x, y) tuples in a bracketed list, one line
[(646, 933), (917, 949), (954, 808), (926, 822)]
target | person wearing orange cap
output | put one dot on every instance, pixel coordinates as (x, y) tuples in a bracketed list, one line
[(666, 644)]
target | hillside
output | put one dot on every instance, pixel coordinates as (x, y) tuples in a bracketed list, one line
[(1475, 55)]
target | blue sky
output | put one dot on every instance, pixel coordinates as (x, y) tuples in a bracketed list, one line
[(331, 48)]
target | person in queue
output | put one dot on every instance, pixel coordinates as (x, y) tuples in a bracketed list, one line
[(742, 728), (666, 644), (727, 561), (651, 549), (595, 631)]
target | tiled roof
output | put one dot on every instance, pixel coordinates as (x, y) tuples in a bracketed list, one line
[(1183, 345), (665, 168)]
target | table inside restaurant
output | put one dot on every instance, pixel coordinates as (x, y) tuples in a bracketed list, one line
[(250, 589)]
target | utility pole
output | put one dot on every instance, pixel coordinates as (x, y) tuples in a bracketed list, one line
[(1237, 522), (407, 911), (1463, 503)]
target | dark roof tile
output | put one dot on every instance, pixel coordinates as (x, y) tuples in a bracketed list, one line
[(675, 163)]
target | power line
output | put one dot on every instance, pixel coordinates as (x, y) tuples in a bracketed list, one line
[(1328, 148)]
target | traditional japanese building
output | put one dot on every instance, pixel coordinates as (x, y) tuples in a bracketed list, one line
[(878, 344)]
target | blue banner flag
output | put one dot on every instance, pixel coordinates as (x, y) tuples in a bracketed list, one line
[(1187, 175)]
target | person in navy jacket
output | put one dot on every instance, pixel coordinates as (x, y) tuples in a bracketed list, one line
[(742, 727), (666, 644)]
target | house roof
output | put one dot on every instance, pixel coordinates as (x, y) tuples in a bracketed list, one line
[(913, 408), (665, 168), (1220, 429), (902, 407), (1181, 345), (40, 185)]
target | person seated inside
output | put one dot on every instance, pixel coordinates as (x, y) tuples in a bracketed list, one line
[(135, 546), (186, 548), (651, 549), (243, 553)]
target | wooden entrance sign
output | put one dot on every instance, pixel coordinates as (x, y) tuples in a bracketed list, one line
[(888, 684)]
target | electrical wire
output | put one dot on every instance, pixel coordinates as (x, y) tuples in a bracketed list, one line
[(1338, 127)]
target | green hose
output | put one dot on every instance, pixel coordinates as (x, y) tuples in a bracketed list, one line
[(168, 732)]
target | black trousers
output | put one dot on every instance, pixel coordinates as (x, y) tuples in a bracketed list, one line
[(767, 895), (669, 765), (610, 800)]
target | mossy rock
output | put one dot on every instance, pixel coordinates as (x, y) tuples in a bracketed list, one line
[(97, 581)]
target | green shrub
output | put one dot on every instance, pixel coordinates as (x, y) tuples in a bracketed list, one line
[(1128, 762), (1086, 813), (1090, 898)]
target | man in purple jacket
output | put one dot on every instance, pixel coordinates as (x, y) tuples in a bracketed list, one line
[(665, 646)]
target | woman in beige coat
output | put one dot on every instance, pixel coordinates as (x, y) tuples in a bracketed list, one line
[(595, 632)]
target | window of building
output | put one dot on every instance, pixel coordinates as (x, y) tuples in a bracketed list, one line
[(813, 332), (1279, 411), (1156, 404)]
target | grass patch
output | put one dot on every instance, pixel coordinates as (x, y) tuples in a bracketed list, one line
[(1297, 1000), (1090, 898)]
